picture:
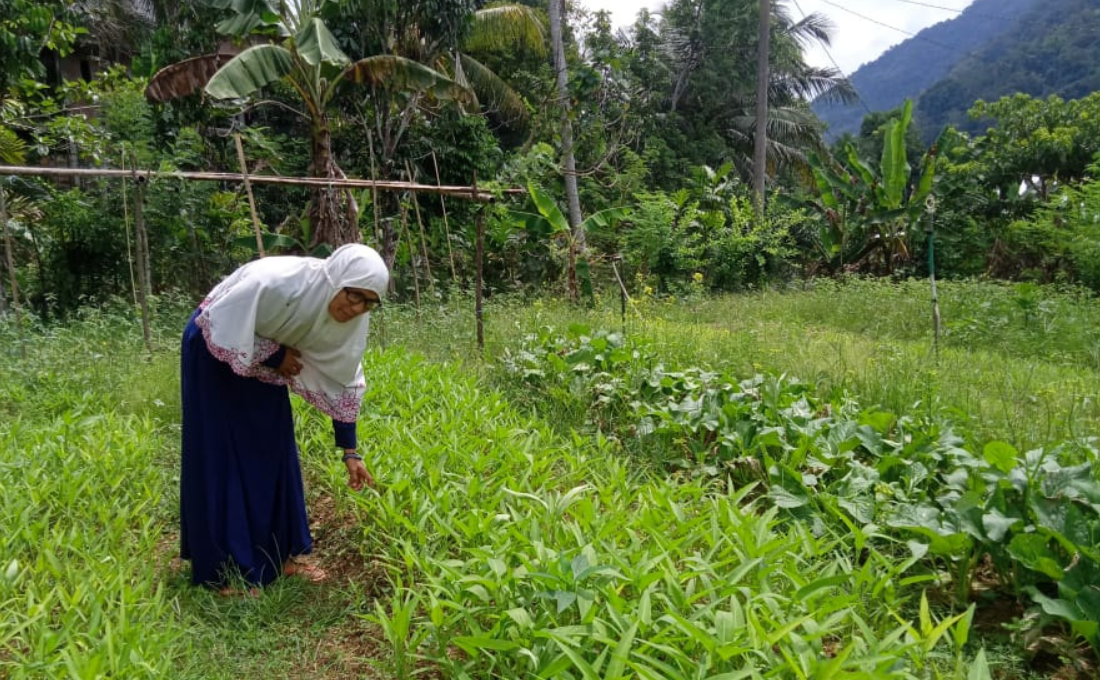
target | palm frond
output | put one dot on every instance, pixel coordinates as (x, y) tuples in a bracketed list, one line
[(405, 75), (814, 28), (495, 94), (504, 27), (12, 148)]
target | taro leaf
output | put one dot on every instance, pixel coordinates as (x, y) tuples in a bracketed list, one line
[(1071, 482), (784, 498), (1033, 551), (1058, 608), (862, 508), (1001, 455), (996, 525), (924, 521), (1073, 523), (880, 421), (1083, 576)]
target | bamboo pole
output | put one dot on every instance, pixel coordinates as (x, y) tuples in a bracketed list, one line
[(387, 185), (446, 224), (412, 250), (126, 228), (11, 272), (248, 190), (480, 278), (423, 236), (142, 244)]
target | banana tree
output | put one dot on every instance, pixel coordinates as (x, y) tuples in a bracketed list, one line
[(550, 219), (303, 54), (869, 211)]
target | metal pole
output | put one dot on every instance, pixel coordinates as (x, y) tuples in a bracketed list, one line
[(930, 208)]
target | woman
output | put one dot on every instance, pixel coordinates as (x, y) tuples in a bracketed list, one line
[(279, 322)]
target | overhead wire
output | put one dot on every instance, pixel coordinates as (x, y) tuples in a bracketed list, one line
[(836, 65)]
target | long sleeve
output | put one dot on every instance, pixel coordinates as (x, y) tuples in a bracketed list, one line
[(275, 359), (346, 437)]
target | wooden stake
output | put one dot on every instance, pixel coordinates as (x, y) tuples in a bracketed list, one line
[(423, 236), (11, 272), (480, 276), (446, 225), (142, 244), (412, 249), (248, 190), (126, 228)]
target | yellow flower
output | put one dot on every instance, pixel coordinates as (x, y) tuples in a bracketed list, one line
[(697, 277), (648, 290)]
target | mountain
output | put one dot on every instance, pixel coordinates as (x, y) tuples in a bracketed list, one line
[(923, 61), (1053, 50)]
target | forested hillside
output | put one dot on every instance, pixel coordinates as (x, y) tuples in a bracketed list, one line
[(919, 63), (1053, 50)]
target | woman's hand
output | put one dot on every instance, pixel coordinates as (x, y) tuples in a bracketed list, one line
[(290, 365), (358, 475)]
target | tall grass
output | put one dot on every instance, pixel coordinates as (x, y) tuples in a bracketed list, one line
[(1014, 362)]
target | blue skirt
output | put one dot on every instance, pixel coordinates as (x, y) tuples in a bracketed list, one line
[(242, 504)]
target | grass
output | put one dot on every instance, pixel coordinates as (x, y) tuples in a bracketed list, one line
[(493, 527), (1012, 364)]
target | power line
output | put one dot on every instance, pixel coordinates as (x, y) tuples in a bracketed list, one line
[(899, 30), (957, 11), (836, 65)]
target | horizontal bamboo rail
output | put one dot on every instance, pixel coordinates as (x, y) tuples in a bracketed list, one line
[(382, 185)]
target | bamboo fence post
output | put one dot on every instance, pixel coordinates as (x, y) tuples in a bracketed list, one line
[(126, 229), (412, 265), (480, 277), (11, 272), (248, 190), (446, 224), (423, 236), (142, 244)]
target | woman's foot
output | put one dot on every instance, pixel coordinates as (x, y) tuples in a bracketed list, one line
[(310, 572), (230, 591)]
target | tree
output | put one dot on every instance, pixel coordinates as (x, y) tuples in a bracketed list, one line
[(709, 111), (869, 211), (27, 27), (308, 60)]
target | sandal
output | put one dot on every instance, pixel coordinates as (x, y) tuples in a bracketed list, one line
[(310, 572)]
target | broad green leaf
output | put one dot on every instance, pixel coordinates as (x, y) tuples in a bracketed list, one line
[(549, 209), (398, 74), (895, 167), (1033, 551), (1001, 455), (315, 44), (249, 71)]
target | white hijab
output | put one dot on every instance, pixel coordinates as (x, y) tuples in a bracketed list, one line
[(284, 301)]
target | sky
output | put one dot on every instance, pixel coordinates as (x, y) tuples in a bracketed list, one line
[(856, 39)]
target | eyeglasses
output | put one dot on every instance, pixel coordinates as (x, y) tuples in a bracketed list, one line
[(359, 300)]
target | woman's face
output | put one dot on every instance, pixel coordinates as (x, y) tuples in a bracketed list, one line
[(351, 302)]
